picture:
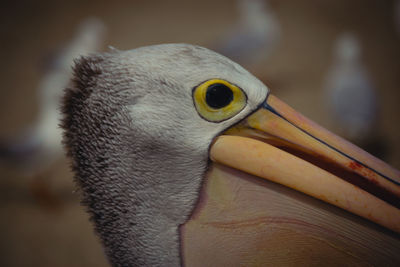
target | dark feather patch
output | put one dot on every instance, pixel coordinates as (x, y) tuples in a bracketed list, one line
[(94, 124)]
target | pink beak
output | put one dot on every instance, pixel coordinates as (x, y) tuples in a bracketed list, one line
[(278, 144)]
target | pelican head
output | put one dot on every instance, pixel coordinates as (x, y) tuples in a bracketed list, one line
[(145, 127)]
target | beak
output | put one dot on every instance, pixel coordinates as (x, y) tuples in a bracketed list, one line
[(278, 144)]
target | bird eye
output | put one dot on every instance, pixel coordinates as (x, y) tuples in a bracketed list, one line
[(218, 95), (218, 100)]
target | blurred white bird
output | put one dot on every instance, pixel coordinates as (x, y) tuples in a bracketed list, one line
[(255, 35), (40, 144), (349, 93)]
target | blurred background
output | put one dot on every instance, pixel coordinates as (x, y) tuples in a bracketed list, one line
[(337, 62)]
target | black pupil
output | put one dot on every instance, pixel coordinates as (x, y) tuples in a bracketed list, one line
[(218, 95)]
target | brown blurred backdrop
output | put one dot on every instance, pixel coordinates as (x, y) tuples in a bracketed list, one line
[(42, 223)]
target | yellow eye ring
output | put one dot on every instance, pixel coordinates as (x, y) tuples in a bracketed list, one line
[(217, 100)]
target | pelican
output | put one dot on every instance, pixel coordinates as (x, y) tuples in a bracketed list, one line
[(184, 158)]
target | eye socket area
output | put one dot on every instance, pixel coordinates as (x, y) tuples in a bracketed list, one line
[(217, 100)]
